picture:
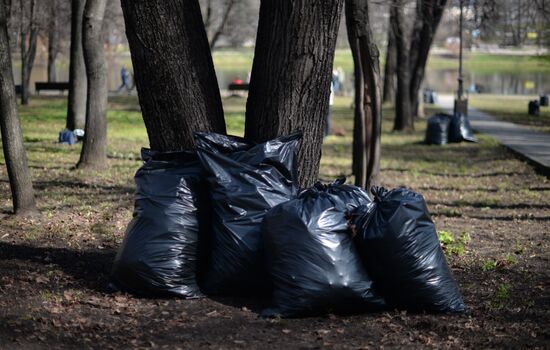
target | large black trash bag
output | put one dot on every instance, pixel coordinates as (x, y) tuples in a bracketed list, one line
[(312, 260), (158, 256), (437, 131), (244, 185), (398, 243), (460, 129)]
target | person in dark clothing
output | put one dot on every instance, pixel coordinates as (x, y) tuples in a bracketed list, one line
[(125, 77)]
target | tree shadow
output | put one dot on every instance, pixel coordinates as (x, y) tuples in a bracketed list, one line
[(91, 268)]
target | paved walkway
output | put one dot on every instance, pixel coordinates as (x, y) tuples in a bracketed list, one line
[(529, 144)]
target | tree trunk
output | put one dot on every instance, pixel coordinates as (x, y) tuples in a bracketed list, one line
[(174, 72), (403, 113), (28, 49), (367, 119), (12, 137), (389, 69), (291, 75), (76, 108), (94, 154), (53, 42), (428, 16)]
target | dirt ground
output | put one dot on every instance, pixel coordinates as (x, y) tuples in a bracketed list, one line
[(54, 269)]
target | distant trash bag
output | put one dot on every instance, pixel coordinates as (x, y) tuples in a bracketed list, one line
[(437, 132), (244, 184), (533, 108), (67, 137), (79, 133), (429, 96), (158, 256), (398, 243), (460, 129), (313, 263)]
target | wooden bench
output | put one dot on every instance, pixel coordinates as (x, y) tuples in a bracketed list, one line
[(237, 87), (57, 86)]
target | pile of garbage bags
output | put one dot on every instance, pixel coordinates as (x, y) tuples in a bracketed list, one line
[(444, 128), (229, 219)]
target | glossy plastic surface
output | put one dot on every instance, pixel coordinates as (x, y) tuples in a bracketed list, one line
[(398, 243)]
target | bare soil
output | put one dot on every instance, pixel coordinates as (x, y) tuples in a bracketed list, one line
[(54, 269)]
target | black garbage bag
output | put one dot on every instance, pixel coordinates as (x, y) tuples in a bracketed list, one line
[(312, 260), (460, 129), (244, 185), (437, 131), (398, 243), (158, 256)]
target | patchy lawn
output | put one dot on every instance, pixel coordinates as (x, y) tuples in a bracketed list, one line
[(494, 211), (512, 108)]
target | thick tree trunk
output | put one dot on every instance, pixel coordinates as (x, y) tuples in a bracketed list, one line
[(367, 119), (76, 108), (94, 154), (53, 42), (428, 16), (389, 69), (28, 49), (291, 75), (174, 72), (12, 138), (403, 113)]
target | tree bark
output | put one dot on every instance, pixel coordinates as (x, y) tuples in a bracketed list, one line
[(94, 154), (76, 108), (12, 137), (174, 72), (291, 75), (389, 70), (428, 16), (28, 48), (53, 42), (403, 113), (367, 118)]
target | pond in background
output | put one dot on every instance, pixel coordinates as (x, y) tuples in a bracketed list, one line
[(442, 81)]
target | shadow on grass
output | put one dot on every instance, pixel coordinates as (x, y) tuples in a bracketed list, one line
[(91, 268), (468, 175), (76, 184), (489, 204)]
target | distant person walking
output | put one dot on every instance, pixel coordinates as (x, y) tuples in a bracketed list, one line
[(328, 124), (125, 78)]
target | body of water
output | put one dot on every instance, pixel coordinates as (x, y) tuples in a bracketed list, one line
[(442, 81)]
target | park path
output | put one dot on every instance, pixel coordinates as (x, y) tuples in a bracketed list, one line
[(529, 144)]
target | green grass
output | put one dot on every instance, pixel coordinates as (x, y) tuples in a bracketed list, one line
[(406, 161), (512, 108), (481, 63)]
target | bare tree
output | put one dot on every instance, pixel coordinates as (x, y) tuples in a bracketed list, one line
[(76, 108), (230, 19), (53, 41), (29, 35), (388, 94), (214, 30), (174, 72), (94, 154), (428, 16), (12, 138), (291, 75), (403, 111), (368, 111)]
